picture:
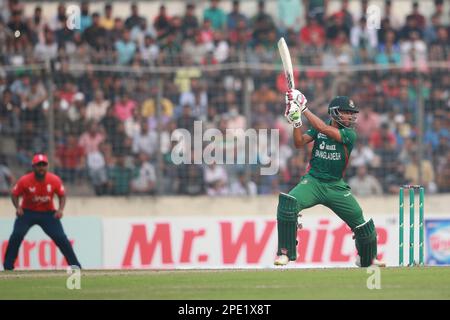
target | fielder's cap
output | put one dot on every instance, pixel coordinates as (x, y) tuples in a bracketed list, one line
[(38, 158)]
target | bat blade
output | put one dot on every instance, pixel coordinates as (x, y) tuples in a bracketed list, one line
[(287, 63)]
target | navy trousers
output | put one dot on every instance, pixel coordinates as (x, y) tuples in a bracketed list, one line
[(51, 226)]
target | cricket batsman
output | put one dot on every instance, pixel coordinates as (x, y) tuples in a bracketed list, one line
[(37, 190), (323, 183)]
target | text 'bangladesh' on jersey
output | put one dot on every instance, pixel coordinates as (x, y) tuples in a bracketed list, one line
[(329, 158)]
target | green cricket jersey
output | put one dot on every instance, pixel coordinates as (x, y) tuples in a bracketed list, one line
[(329, 158)]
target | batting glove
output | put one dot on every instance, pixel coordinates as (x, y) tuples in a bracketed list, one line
[(293, 115), (298, 98)]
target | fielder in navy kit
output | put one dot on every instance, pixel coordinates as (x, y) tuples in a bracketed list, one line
[(37, 190)]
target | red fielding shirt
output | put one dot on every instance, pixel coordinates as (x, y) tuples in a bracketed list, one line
[(38, 195)]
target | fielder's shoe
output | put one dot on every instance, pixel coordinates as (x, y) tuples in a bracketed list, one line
[(375, 262), (281, 260)]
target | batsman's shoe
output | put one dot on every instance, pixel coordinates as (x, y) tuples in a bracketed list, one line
[(281, 260), (375, 262)]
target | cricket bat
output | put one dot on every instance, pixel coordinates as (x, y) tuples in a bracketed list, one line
[(287, 63)]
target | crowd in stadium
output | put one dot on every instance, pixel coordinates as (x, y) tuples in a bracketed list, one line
[(106, 123)]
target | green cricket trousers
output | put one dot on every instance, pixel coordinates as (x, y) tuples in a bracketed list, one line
[(335, 195)]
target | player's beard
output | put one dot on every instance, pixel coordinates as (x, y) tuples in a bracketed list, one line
[(40, 175)]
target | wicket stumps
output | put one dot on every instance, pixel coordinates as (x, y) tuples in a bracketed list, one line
[(411, 189)]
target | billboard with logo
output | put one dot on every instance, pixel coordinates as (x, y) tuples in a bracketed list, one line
[(39, 252), (437, 247), (234, 242)]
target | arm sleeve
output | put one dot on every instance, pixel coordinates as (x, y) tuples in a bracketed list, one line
[(348, 136), (312, 132)]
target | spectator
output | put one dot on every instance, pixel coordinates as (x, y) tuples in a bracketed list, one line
[(145, 141), (91, 139), (36, 25), (95, 34), (443, 178), (18, 26), (336, 27), (312, 33), (348, 17), (148, 109), (243, 186), (412, 173), (70, 161), (389, 51), (107, 21), (119, 178), (206, 35), (122, 145), (189, 22), (96, 109), (215, 15), (430, 33), (115, 34), (190, 180), (388, 159), (296, 168), (125, 49), (140, 32), (394, 22), (110, 122), (364, 37), (85, 18), (439, 12), (417, 16), (59, 19), (47, 50), (364, 184), (363, 155), (235, 17), (414, 51), (317, 9), (7, 178), (262, 23), (162, 22), (290, 15), (440, 48), (29, 142), (123, 109), (145, 180), (149, 51), (78, 123), (368, 122), (409, 28), (33, 102), (222, 48), (433, 135), (97, 170), (65, 38), (134, 19), (216, 180), (186, 120), (381, 136), (133, 124)]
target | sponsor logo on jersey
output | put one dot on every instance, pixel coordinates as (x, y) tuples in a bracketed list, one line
[(321, 136), (322, 145), (32, 189), (41, 199)]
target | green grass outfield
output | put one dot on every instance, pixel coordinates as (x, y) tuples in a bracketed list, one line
[(396, 283)]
